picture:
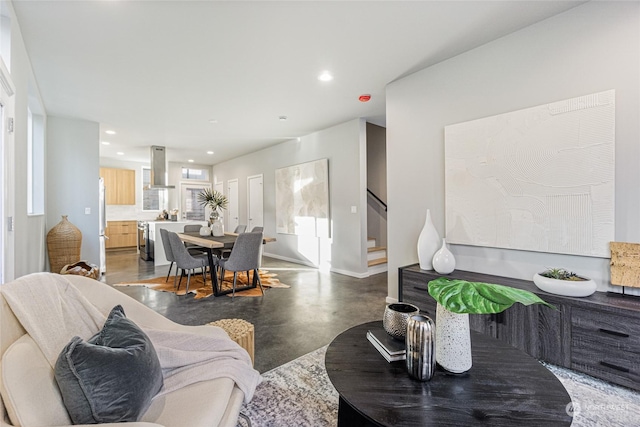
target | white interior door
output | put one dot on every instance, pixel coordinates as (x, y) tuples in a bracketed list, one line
[(255, 204), (233, 219), (191, 209)]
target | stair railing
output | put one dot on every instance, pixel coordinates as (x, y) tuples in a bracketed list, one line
[(377, 199)]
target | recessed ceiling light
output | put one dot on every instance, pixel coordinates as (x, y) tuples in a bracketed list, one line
[(282, 118), (299, 139), (213, 121), (190, 160), (105, 143), (110, 132), (325, 76), (209, 152), (120, 153)]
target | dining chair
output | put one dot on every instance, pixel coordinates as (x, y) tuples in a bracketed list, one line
[(168, 253), (245, 256), (192, 228), (257, 229), (185, 261), (194, 250), (224, 252)]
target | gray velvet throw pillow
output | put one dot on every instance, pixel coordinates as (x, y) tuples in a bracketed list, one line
[(112, 377)]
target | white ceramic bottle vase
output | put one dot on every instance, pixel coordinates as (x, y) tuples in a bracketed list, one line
[(453, 341), (443, 261), (428, 243)]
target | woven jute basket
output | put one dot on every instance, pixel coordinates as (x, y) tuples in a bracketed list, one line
[(63, 244)]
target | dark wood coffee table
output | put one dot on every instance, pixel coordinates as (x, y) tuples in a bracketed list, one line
[(505, 387)]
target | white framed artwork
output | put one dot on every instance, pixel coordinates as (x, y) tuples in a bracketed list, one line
[(539, 179), (302, 199)]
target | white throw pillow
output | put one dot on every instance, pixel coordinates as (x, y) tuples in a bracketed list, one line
[(28, 387)]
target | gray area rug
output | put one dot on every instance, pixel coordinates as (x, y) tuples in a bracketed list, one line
[(299, 393)]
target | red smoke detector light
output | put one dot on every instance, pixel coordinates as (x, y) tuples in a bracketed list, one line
[(364, 98)]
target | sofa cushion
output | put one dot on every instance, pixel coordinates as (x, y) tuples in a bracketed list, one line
[(112, 377), (201, 404), (28, 387)]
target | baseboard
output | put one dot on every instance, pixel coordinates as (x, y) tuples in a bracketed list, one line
[(293, 260), (377, 269), (391, 300)]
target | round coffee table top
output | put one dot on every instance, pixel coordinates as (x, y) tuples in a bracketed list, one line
[(505, 387)]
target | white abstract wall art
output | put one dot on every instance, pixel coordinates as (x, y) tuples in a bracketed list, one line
[(302, 199), (539, 179)]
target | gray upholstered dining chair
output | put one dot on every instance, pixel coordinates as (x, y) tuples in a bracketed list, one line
[(224, 252), (194, 250), (245, 256), (168, 253), (257, 229), (192, 228), (185, 261)]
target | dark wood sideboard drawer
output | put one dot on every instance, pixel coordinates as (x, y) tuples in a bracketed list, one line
[(414, 291), (606, 345)]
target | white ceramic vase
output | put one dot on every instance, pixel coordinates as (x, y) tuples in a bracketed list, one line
[(453, 341), (217, 228), (428, 243), (443, 261), (205, 231)]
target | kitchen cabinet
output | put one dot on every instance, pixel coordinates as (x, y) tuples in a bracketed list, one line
[(120, 186), (121, 234), (598, 335)]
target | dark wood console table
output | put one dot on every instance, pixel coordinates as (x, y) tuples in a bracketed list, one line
[(598, 335), (505, 387)]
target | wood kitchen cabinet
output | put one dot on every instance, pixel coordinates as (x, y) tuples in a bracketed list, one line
[(121, 234), (120, 186), (598, 335)]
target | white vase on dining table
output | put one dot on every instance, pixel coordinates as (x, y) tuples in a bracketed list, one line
[(217, 228)]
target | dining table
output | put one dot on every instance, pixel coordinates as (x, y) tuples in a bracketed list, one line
[(209, 243)]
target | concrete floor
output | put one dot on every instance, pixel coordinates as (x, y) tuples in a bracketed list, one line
[(288, 322)]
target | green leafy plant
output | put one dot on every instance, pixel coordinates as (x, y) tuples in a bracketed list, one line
[(213, 199), (460, 296), (561, 274)]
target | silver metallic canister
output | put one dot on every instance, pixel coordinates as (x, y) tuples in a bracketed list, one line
[(421, 347)]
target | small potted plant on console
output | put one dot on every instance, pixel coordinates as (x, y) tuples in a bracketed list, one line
[(560, 281)]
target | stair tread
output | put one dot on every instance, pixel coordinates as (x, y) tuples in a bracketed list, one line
[(376, 248), (377, 262)]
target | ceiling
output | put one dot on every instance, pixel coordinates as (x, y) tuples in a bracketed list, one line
[(198, 76)]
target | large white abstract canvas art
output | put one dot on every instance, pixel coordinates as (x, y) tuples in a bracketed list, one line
[(539, 179), (302, 199)]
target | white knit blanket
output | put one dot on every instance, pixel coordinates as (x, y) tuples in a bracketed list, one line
[(52, 310)]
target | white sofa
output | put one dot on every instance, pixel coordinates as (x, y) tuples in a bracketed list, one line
[(30, 395)]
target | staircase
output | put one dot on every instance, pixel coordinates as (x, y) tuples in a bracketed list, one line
[(376, 257)]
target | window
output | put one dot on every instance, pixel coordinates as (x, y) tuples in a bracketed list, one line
[(191, 207), (195, 174), (153, 199), (35, 159)]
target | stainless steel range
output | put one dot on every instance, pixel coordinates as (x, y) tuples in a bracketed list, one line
[(145, 244)]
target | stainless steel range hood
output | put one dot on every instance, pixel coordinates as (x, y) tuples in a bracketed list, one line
[(159, 168)]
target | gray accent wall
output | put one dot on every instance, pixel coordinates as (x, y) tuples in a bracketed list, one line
[(590, 48), (72, 179), (345, 147)]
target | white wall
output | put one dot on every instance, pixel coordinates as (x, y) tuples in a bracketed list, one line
[(28, 252), (588, 49), (72, 179), (345, 147)]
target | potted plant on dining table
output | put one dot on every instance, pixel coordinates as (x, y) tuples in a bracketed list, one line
[(216, 201)]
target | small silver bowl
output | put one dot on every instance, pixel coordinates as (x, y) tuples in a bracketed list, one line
[(395, 319)]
